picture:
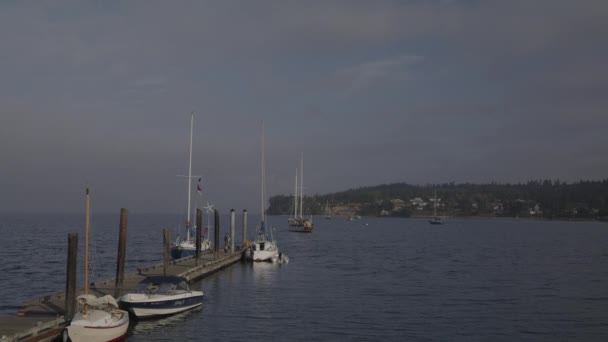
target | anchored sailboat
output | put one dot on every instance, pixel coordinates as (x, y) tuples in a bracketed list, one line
[(298, 219), (435, 219)]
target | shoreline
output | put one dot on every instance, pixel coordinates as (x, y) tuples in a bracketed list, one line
[(506, 218)]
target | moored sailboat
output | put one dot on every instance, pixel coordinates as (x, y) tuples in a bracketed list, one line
[(187, 247), (264, 247), (97, 319)]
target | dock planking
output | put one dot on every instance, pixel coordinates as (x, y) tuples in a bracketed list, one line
[(41, 319)]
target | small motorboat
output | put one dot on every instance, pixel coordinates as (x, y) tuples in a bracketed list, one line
[(161, 296)]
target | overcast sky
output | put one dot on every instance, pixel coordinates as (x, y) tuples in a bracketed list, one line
[(100, 92)]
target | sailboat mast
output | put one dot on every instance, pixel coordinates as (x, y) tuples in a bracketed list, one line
[(301, 184), (86, 247), (263, 179), (86, 243), (435, 204), (295, 197), (189, 178)]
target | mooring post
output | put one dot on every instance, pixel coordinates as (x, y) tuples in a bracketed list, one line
[(122, 249), (244, 227), (70, 283), (216, 237), (166, 250), (199, 227), (232, 216)]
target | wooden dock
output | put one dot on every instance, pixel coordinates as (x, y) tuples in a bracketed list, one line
[(42, 319)]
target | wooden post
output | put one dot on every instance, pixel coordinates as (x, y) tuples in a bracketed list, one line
[(232, 223), (166, 250), (70, 283), (216, 236), (244, 227), (122, 249), (199, 227)]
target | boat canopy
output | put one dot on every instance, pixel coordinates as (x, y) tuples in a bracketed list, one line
[(162, 284)]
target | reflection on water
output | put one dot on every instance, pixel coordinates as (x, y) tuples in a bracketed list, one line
[(156, 326)]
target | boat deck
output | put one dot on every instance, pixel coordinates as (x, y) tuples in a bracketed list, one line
[(41, 319)]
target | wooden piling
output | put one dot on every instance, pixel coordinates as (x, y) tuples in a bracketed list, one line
[(70, 283), (232, 224), (216, 235), (199, 227), (166, 250), (122, 250), (244, 226)]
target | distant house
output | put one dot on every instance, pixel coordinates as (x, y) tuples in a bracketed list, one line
[(397, 204), (498, 208), (536, 210), (418, 203)]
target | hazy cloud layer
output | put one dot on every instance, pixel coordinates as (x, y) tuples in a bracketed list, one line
[(369, 91)]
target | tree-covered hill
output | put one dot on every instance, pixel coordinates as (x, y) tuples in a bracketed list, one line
[(543, 199)]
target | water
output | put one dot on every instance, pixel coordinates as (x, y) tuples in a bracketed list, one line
[(373, 279)]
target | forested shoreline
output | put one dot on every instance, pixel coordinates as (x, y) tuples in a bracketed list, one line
[(548, 199)]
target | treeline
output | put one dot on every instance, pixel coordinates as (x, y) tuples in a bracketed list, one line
[(551, 199)]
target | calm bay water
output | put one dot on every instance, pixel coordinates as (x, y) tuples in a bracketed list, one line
[(373, 279)]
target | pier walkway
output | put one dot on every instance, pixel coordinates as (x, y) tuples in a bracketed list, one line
[(42, 319)]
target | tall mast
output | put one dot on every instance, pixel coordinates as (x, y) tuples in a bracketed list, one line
[(301, 184), (86, 247), (435, 204), (295, 197), (189, 178), (263, 179)]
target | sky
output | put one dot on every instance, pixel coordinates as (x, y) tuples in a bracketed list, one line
[(99, 93)]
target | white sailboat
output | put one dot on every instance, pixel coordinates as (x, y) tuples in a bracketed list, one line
[(327, 212), (187, 246), (294, 220), (265, 247), (435, 219), (299, 220), (97, 319)]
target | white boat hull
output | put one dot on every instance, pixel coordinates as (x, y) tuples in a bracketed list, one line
[(142, 305), (264, 255), (143, 313), (99, 326)]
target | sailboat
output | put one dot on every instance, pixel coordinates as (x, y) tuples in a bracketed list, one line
[(435, 219), (187, 247), (299, 220), (327, 213), (264, 248), (97, 319), (295, 220)]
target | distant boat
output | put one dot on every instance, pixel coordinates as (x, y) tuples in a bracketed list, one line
[(161, 296), (436, 219), (187, 247), (298, 219), (97, 319), (327, 212), (264, 247)]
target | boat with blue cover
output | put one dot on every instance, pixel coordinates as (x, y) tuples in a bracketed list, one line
[(161, 296)]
